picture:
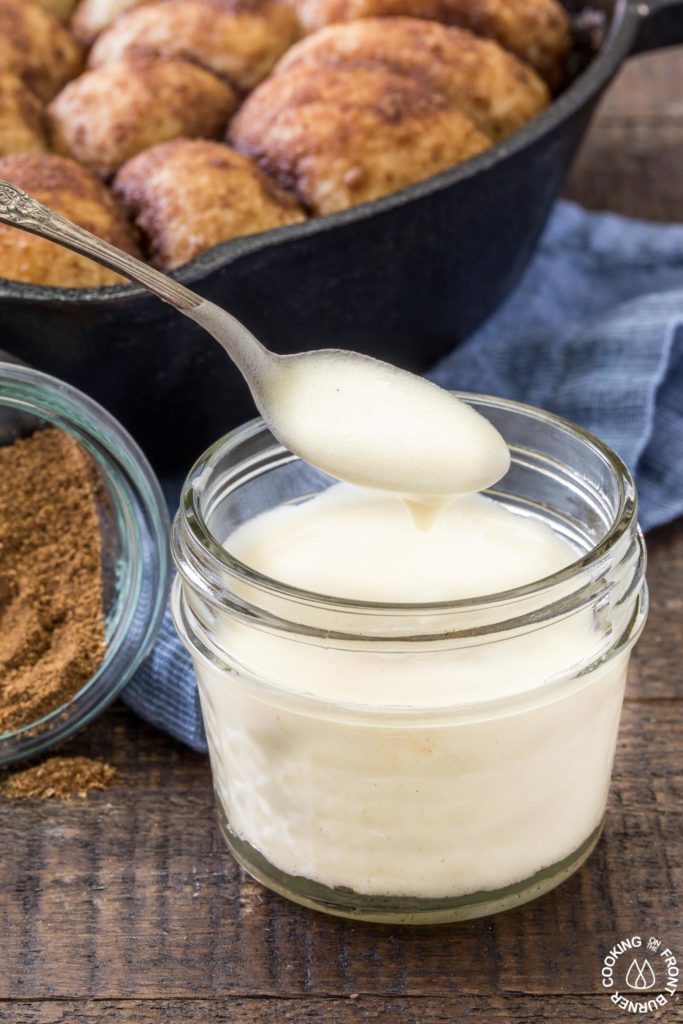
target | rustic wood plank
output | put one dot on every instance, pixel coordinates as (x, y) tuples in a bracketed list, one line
[(646, 90), (632, 169), (359, 1010), (654, 672), (631, 159), (138, 882)]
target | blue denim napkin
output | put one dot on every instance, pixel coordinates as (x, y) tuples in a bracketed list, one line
[(593, 332)]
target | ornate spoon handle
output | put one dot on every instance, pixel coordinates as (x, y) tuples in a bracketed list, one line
[(20, 210), (253, 359)]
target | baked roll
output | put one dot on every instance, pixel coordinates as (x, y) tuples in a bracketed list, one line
[(190, 194), (108, 115), (21, 117), (341, 135), (61, 9), (74, 192), (91, 17), (489, 84), (37, 47), (240, 41), (538, 31)]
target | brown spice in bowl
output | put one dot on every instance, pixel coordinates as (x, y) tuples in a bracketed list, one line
[(52, 636), (59, 777)]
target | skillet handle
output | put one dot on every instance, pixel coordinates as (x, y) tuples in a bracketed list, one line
[(661, 25)]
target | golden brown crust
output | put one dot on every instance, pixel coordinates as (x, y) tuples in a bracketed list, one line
[(71, 190), (338, 136), (536, 30), (238, 41), (21, 117), (490, 85), (190, 194), (108, 115), (92, 16), (62, 9), (35, 46)]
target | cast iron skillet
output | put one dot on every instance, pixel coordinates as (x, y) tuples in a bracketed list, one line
[(403, 278)]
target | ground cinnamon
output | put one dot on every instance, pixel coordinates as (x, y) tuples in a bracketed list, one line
[(52, 635), (60, 777)]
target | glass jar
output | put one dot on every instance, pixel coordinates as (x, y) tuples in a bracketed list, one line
[(414, 814), (134, 540)]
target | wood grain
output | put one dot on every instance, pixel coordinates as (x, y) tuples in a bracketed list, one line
[(152, 904), (632, 160), (360, 1010), (127, 908)]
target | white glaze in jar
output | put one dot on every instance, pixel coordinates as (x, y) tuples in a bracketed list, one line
[(418, 752)]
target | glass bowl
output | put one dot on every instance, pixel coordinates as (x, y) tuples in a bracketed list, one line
[(134, 538)]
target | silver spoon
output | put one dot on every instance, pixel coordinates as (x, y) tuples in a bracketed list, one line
[(352, 416), (22, 211)]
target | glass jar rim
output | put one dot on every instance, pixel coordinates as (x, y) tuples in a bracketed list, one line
[(191, 521)]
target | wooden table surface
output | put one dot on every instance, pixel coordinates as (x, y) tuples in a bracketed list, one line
[(127, 908)]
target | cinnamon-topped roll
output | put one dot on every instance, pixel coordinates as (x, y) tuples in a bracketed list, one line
[(190, 194), (342, 135), (538, 31), (489, 84), (77, 194), (108, 115), (240, 40)]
